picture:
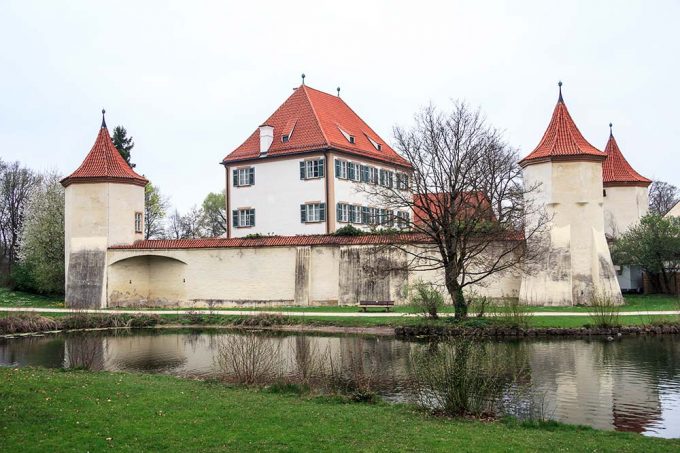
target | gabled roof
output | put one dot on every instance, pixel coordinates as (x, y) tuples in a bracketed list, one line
[(319, 120), (616, 171), (104, 164), (562, 140)]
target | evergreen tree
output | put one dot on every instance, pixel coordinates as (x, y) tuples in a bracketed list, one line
[(123, 143)]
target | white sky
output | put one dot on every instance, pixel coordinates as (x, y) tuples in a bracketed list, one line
[(191, 80)]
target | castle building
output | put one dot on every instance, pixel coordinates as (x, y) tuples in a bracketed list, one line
[(300, 176), (575, 264), (302, 171)]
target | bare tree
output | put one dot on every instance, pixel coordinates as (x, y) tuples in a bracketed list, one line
[(662, 197), (466, 197), (16, 183), (174, 226)]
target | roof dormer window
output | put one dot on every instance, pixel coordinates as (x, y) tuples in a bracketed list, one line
[(375, 144), (350, 138), (288, 130)]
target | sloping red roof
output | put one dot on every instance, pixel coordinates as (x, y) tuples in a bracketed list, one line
[(318, 118), (104, 164), (616, 171), (562, 140), (468, 204), (274, 241)]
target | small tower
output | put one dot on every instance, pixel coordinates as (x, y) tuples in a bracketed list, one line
[(574, 265), (626, 199), (104, 206)]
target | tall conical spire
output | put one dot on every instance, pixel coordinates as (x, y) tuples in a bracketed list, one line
[(562, 140), (104, 164), (616, 171)]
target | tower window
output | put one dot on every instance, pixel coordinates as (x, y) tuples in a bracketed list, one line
[(139, 224)]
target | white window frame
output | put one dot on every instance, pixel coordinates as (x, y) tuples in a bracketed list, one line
[(313, 213), (139, 222), (314, 168), (342, 212), (342, 169), (245, 218)]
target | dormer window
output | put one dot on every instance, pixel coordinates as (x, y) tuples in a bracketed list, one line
[(350, 138), (288, 130), (375, 144)]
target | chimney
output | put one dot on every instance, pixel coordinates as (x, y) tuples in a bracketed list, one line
[(266, 138)]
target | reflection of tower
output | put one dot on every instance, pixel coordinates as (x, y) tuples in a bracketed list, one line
[(576, 264), (104, 206)]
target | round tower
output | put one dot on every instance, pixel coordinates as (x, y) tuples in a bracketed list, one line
[(574, 264), (104, 206), (626, 198)]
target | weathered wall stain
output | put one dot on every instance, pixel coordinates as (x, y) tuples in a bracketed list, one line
[(371, 273), (302, 271), (85, 279)]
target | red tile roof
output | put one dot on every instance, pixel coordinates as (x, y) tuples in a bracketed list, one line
[(273, 241), (104, 164), (317, 118), (562, 140), (616, 171)]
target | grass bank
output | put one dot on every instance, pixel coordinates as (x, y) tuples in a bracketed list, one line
[(49, 410)]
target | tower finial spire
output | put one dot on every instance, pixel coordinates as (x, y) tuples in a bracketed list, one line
[(559, 84), (103, 119), (611, 134), (303, 78), (338, 91)]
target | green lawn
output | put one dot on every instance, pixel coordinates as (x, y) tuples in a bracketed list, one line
[(10, 298), (51, 410)]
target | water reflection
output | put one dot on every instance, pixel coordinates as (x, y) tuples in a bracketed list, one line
[(632, 384)]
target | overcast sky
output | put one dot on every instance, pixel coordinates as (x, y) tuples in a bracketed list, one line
[(191, 80)]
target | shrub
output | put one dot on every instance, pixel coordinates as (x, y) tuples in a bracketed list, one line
[(248, 359), (605, 312), (144, 321), (459, 378), (23, 323), (426, 299), (512, 313), (348, 230)]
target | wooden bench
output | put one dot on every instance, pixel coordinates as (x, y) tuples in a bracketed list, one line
[(386, 304)]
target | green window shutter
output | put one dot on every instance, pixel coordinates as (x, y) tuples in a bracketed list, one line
[(251, 175), (252, 217), (235, 172), (302, 170), (303, 213), (350, 170), (321, 168), (338, 212), (234, 218), (322, 212), (337, 168)]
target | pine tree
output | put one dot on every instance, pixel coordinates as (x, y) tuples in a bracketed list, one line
[(123, 143)]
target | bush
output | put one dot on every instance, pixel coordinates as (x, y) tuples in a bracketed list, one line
[(459, 378), (512, 313), (24, 323), (605, 312), (144, 321), (426, 299), (348, 230), (248, 359)]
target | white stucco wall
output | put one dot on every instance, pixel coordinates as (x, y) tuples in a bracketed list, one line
[(624, 206), (576, 264), (276, 197), (318, 275), (675, 211)]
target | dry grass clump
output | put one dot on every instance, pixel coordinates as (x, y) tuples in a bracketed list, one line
[(605, 312), (248, 359), (23, 323)]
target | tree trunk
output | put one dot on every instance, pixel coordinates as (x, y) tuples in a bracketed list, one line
[(456, 293)]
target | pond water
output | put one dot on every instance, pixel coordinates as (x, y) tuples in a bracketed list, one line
[(630, 384)]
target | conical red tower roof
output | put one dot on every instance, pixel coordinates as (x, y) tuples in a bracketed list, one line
[(616, 171), (562, 140), (104, 164)]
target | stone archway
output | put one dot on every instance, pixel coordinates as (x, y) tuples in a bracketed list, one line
[(146, 280)]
